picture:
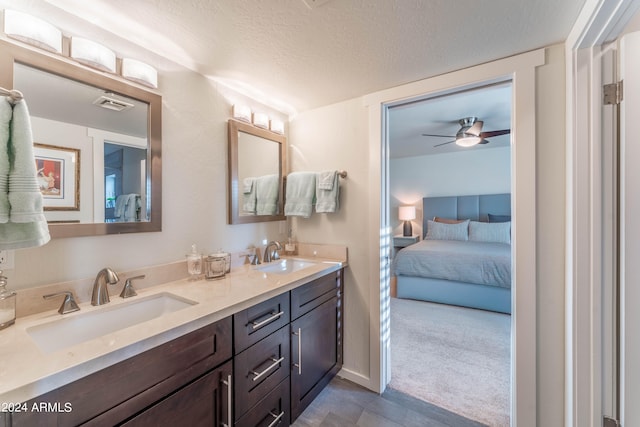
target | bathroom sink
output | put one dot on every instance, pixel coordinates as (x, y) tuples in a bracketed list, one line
[(59, 334), (285, 266)]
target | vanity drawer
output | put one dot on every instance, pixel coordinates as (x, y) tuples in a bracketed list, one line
[(260, 368), (121, 390), (271, 411), (309, 296), (260, 320)]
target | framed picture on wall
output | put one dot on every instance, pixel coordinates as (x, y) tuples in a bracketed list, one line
[(58, 170)]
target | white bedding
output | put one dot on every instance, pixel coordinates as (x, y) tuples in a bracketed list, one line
[(463, 261)]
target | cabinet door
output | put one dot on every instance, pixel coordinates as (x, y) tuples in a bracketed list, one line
[(314, 350), (205, 402)]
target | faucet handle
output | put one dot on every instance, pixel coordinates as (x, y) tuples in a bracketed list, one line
[(69, 304), (128, 290)]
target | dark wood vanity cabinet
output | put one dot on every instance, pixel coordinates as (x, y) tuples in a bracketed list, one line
[(279, 372), (260, 367), (316, 339), (204, 402), (176, 380)]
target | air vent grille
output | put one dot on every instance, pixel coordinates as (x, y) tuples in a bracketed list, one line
[(112, 103)]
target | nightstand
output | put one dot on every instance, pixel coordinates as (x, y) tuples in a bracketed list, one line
[(404, 241)]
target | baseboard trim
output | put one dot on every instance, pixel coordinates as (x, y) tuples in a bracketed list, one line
[(356, 377)]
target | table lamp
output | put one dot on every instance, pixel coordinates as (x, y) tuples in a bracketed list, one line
[(407, 214)]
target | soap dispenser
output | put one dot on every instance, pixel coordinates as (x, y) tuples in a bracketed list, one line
[(7, 304), (194, 263)]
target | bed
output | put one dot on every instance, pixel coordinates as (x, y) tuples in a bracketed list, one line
[(464, 258)]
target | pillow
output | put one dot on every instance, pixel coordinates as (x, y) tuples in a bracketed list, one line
[(499, 218), (497, 232), (443, 231), (447, 220)]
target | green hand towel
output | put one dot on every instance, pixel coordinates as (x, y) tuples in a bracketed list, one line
[(6, 111)]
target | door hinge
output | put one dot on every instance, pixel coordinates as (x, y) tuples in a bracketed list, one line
[(612, 93), (610, 422)]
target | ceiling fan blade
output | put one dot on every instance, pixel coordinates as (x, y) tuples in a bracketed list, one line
[(476, 129), (439, 136), (444, 143), (484, 141), (494, 133)]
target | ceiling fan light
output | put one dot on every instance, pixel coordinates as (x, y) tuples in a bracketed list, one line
[(468, 140)]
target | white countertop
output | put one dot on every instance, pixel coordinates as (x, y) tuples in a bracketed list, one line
[(27, 372)]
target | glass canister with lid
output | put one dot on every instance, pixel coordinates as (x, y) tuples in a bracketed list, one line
[(214, 267), (227, 259)]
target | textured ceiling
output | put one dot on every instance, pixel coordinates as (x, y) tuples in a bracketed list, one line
[(297, 58)]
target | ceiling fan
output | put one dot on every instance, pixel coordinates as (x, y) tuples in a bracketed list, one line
[(470, 133)]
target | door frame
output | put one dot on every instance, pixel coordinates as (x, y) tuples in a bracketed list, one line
[(599, 22), (521, 70)]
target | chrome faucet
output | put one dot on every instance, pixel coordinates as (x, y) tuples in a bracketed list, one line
[(100, 294), (273, 255)]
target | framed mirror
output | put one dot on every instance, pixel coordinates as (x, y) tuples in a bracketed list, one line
[(257, 165), (97, 143)]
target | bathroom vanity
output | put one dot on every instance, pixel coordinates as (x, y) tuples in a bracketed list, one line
[(260, 362)]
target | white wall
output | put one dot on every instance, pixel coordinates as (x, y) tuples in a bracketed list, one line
[(484, 171), (336, 136), (194, 160)]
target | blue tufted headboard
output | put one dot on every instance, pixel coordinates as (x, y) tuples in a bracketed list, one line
[(475, 208)]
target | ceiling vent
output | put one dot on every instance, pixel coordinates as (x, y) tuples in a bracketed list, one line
[(112, 103), (312, 4)]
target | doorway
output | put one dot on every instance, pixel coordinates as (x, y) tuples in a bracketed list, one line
[(521, 69), (455, 356)]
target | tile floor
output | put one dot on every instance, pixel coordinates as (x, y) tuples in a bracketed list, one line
[(345, 404)]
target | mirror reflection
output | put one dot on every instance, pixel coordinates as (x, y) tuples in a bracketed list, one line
[(256, 165), (108, 130), (97, 139)]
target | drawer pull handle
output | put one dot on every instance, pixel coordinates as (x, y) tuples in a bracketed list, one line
[(229, 400), (274, 316), (277, 418), (275, 363), (299, 364)]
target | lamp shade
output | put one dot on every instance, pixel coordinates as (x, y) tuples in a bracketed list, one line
[(93, 54), (32, 30), (139, 72), (407, 213)]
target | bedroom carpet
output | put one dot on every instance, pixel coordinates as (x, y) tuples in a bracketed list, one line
[(454, 357)]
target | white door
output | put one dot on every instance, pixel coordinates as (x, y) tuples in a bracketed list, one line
[(630, 231)]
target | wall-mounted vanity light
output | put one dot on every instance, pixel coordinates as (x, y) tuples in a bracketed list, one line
[(139, 72), (242, 112), (32, 30), (261, 120), (93, 54), (276, 126)]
